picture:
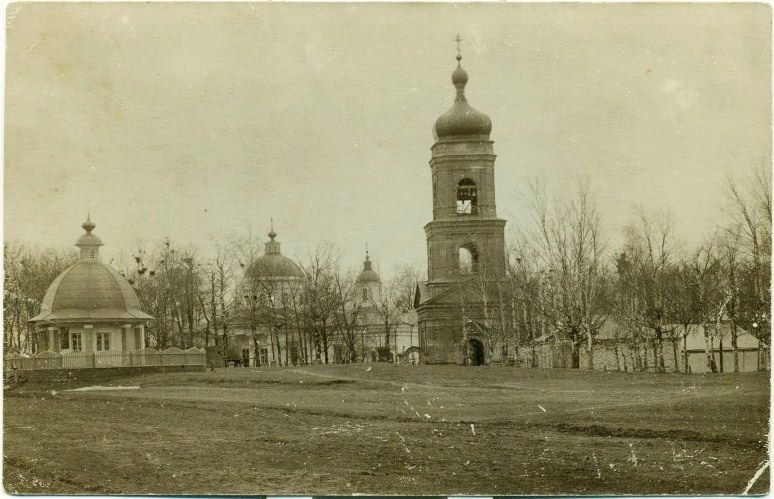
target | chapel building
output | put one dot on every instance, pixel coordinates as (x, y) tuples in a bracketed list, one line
[(91, 308)]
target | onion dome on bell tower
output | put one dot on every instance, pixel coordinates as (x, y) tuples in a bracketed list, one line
[(462, 120)]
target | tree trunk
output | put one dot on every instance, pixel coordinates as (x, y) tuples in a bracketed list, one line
[(591, 350), (256, 352), (734, 334), (659, 349), (685, 350), (387, 337), (708, 351), (576, 352), (287, 350), (279, 347), (674, 353)]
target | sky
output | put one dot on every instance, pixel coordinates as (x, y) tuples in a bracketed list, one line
[(203, 121)]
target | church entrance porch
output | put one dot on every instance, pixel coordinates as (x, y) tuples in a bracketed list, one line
[(474, 352)]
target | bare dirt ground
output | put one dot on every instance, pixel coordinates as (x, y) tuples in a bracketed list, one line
[(391, 430)]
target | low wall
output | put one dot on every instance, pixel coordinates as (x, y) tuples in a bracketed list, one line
[(107, 359), (98, 374)]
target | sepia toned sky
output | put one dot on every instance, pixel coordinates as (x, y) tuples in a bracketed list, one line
[(202, 121)]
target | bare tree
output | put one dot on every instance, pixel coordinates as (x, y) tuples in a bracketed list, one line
[(490, 297), (748, 205), (390, 305), (405, 279), (570, 245), (524, 279), (320, 300), (216, 297), (709, 298), (28, 273), (651, 251), (347, 315)]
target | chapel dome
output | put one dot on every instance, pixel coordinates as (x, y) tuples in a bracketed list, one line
[(90, 289), (462, 120), (273, 264)]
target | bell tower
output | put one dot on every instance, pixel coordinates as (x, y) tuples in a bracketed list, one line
[(465, 240), (465, 236)]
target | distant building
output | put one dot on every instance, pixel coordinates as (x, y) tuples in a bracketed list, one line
[(752, 354), (464, 307), (90, 307), (264, 333), (368, 296), (403, 337), (619, 348), (266, 330)]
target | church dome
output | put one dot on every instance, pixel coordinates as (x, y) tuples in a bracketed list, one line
[(368, 274), (462, 120), (90, 289), (273, 264)]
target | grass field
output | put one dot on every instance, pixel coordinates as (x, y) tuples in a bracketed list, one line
[(391, 430)]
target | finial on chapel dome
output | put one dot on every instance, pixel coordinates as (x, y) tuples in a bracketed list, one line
[(272, 234), (88, 225), (89, 243), (367, 262)]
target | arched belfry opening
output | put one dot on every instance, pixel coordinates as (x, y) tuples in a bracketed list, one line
[(467, 197), (468, 259)]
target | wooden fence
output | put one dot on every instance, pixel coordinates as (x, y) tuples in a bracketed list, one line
[(82, 360)]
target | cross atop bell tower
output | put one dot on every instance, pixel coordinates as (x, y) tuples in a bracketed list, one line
[(458, 39)]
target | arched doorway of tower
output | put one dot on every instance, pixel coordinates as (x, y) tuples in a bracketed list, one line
[(412, 355), (475, 352)]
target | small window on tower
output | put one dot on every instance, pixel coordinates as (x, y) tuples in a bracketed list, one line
[(467, 198), (365, 294), (92, 253)]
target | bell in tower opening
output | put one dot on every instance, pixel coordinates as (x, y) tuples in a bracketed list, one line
[(464, 308)]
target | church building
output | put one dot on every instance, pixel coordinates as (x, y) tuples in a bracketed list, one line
[(271, 288), (463, 309)]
